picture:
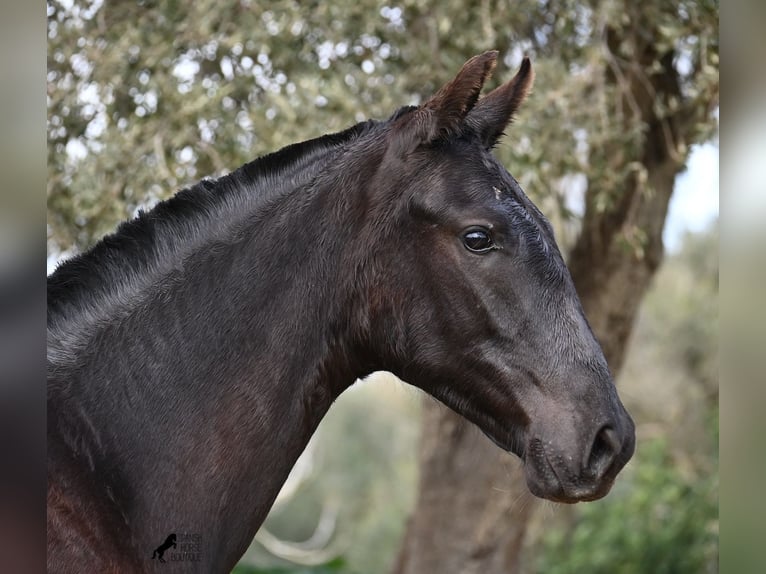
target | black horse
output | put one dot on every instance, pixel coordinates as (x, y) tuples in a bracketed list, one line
[(192, 353), (159, 552)]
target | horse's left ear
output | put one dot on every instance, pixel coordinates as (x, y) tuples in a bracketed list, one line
[(494, 112), (444, 113)]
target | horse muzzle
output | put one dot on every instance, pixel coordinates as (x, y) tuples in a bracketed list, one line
[(562, 473)]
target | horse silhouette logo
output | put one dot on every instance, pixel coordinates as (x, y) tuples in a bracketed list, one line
[(159, 552)]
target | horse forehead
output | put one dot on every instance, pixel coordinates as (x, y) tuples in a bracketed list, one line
[(470, 175)]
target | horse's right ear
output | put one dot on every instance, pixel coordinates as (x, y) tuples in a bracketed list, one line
[(494, 112), (443, 114)]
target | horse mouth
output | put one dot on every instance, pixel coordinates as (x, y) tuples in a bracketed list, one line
[(556, 490), (544, 481), (562, 475), (547, 477)]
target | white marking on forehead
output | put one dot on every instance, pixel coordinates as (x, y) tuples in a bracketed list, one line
[(498, 193)]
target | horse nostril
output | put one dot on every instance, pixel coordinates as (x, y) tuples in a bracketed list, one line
[(605, 447)]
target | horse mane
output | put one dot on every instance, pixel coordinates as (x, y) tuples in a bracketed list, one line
[(109, 280), (158, 239)]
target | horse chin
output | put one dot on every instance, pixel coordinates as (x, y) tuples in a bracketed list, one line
[(557, 493)]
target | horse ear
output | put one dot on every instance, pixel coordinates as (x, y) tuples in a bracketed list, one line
[(494, 112), (443, 114)]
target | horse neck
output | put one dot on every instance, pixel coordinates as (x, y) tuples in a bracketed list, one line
[(213, 385)]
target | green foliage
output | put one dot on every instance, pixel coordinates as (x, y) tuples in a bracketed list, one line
[(146, 97), (676, 338), (337, 566), (690, 307), (657, 522)]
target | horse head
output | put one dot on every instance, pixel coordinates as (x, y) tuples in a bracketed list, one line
[(483, 311)]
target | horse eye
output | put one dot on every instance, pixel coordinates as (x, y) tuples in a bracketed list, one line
[(478, 240)]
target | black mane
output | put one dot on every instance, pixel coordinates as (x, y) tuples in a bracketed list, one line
[(137, 244)]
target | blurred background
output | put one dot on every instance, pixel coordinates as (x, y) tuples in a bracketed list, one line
[(617, 144)]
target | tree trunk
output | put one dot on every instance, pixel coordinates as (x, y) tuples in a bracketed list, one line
[(473, 506), (468, 490)]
